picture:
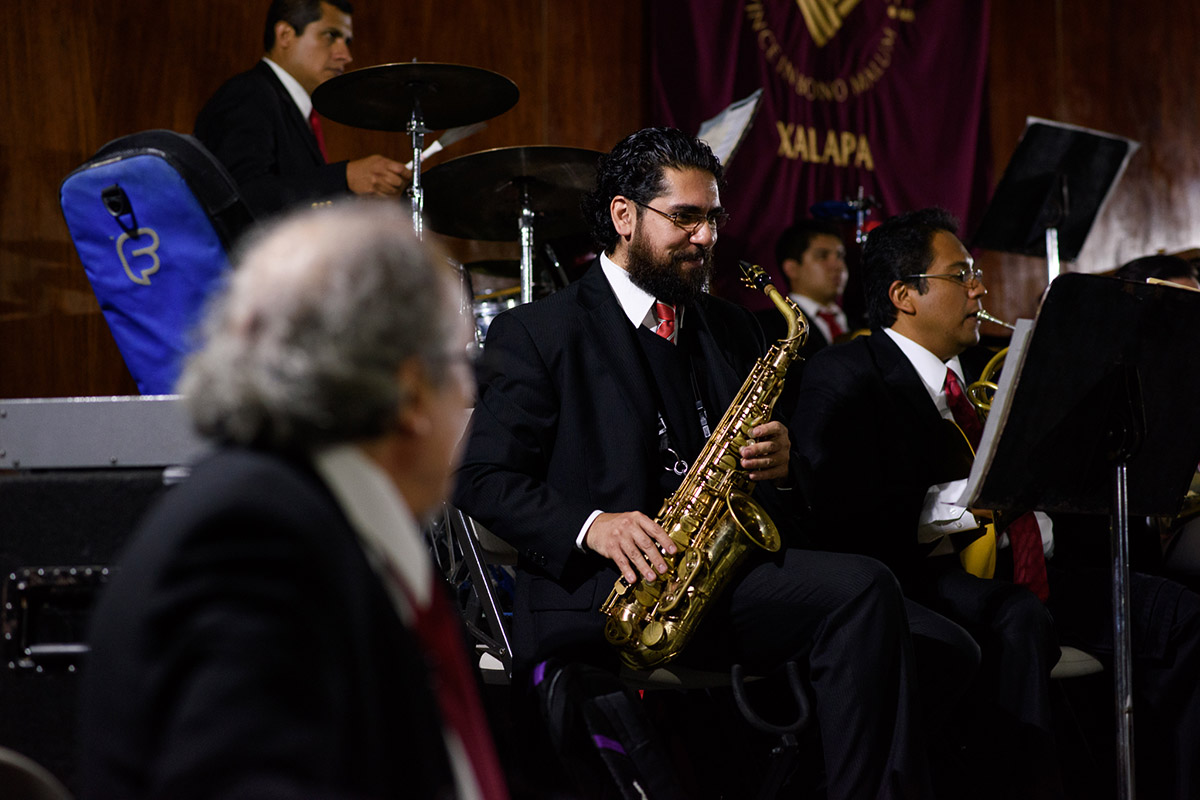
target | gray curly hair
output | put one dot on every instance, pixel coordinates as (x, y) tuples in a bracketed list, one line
[(303, 346)]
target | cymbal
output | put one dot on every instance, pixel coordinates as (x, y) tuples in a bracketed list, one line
[(382, 98), (480, 196)]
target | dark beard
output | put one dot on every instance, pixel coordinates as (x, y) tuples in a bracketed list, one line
[(665, 278)]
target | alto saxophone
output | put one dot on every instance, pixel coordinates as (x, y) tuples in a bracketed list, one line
[(710, 517)]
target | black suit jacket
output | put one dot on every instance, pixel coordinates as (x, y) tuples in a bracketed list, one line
[(566, 424), (253, 127), (875, 443), (246, 648)]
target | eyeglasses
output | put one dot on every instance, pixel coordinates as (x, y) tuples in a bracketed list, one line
[(691, 221), (966, 276)]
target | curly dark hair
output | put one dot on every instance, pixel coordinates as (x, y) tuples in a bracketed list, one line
[(901, 246), (634, 169)]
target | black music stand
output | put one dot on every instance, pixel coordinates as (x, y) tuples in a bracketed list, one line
[(1098, 416), (1055, 184)]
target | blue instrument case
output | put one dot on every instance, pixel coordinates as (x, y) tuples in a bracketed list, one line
[(153, 216)]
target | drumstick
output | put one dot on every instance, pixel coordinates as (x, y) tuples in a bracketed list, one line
[(449, 137), (1161, 282)]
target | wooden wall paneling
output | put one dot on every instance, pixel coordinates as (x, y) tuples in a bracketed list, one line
[(1141, 85), (1123, 68), (598, 107), (53, 340), (1022, 82)]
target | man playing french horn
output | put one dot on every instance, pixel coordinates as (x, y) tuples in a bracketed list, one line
[(593, 404), (878, 410)]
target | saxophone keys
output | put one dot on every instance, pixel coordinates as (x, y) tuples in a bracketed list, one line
[(652, 633), (618, 630), (647, 593)]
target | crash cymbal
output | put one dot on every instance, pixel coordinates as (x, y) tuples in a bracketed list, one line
[(382, 98), (480, 196)]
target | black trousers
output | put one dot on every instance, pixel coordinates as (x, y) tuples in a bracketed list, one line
[(844, 617)]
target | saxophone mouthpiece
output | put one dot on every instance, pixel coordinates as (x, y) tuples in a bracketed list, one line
[(753, 275)]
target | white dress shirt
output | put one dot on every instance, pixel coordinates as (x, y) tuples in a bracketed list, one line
[(301, 98)]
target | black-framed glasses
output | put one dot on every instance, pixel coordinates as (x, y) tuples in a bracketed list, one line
[(967, 276), (691, 221)]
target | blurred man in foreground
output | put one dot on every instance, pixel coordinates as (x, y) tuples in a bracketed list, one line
[(276, 628)]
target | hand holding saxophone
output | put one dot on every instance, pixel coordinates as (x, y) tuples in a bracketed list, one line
[(633, 541), (767, 456)]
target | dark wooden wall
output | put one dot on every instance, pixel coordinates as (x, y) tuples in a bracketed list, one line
[(77, 73), (1125, 68)]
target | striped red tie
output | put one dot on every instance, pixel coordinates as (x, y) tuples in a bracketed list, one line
[(1024, 536)]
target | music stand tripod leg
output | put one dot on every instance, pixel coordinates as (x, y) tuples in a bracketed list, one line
[(1122, 651)]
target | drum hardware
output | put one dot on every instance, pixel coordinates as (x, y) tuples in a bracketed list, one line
[(417, 98), (497, 294), (448, 138), (556, 265), (856, 209), (490, 306), (505, 193)]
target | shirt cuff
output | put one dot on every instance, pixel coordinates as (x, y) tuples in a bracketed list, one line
[(579, 540)]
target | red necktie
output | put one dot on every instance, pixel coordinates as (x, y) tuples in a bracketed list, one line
[(1029, 560), (315, 122), (835, 328), (440, 631), (666, 321), (961, 408)]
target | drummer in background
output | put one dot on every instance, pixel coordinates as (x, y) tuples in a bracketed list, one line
[(261, 124), (812, 257)]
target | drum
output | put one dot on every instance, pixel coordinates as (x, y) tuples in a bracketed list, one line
[(488, 306)]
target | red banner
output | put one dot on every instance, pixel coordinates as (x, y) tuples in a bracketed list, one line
[(887, 95)]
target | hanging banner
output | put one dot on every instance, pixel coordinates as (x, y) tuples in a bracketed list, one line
[(883, 95)]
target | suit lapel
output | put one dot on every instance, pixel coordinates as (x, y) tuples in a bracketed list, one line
[(898, 373), (713, 360), (294, 119), (616, 342)]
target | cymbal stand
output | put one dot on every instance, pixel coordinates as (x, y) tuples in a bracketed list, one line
[(416, 127), (526, 229), (862, 206)]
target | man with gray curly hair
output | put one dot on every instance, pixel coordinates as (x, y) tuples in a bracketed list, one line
[(276, 627)]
